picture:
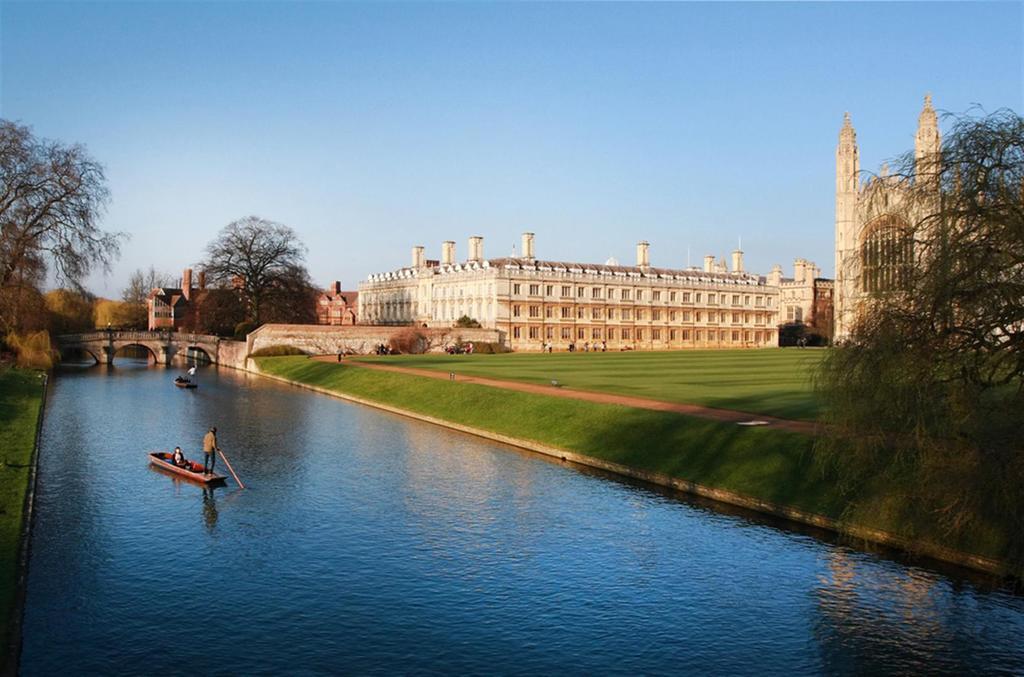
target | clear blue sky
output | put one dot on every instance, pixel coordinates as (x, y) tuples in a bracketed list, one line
[(373, 127)]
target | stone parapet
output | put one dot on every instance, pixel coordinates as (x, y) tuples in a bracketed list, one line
[(362, 339)]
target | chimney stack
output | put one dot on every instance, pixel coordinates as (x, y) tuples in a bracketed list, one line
[(336, 287), (737, 261), (447, 253), (476, 248), (186, 284), (799, 270), (709, 263), (643, 254), (418, 260), (202, 280), (775, 277), (528, 246)]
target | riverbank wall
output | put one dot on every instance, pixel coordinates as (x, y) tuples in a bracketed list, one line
[(362, 339), (760, 502)]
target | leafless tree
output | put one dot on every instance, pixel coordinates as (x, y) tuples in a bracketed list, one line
[(142, 282), (51, 198), (264, 261)]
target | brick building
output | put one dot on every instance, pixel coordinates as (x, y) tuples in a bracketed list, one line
[(176, 308), (337, 307)]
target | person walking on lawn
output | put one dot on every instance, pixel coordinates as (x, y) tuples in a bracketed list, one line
[(210, 450)]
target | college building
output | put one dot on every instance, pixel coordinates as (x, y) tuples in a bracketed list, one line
[(539, 303), (875, 245)]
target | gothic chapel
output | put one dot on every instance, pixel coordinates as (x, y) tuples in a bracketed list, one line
[(874, 235)]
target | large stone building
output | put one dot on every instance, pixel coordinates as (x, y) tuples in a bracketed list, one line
[(806, 298), (875, 246), (540, 302)]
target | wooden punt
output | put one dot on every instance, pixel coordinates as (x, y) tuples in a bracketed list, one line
[(185, 384), (192, 470)]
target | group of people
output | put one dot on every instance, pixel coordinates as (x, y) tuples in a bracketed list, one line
[(596, 347), (210, 449), (460, 349), (383, 349)]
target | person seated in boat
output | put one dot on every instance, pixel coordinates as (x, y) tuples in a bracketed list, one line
[(178, 458)]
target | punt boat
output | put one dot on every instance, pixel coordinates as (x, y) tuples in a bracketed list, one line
[(182, 383), (192, 469)]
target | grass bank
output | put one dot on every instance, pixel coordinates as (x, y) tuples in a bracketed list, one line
[(771, 464), (773, 381), (767, 465), (21, 399)]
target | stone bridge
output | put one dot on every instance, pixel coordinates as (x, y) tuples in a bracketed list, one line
[(163, 346)]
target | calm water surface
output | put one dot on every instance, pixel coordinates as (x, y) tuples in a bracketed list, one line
[(368, 543)]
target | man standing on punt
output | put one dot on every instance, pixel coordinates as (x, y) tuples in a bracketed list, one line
[(210, 450)]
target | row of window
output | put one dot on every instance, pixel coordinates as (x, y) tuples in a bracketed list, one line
[(630, 334), (582, 312), (457, 291), (670, 296)]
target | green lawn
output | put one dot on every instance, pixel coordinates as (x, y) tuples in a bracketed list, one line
[(776, 381), (21, 394), (771, 464)]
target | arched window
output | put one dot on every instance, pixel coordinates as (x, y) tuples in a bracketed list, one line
[(886, 255)]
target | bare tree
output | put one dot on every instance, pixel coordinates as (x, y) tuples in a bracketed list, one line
[(142, 282), (264, 261), (51, 197)]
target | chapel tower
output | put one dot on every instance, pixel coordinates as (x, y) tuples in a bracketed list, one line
[(847, 188)]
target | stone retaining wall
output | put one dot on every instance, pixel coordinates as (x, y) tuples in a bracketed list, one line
[(360, 339), (233, 354)]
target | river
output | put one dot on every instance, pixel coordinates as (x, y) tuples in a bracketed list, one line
[(369, 543)]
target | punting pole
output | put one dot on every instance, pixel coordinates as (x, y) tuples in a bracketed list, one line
[(233, 473)]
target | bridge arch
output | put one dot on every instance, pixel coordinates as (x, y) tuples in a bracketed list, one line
[(151, 355), (198, 354), (161, 346), (66, 352)]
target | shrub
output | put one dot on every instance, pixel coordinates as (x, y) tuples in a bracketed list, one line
[(34, 350), (467, 322), (277, 351), (490, 348), (409, 341)]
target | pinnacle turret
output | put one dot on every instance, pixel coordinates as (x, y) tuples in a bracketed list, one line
[(847, 134), (927, 142)]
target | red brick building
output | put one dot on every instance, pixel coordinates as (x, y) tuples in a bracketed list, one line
[(337, 307), (176, 308)]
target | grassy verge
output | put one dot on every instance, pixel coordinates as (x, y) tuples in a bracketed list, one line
[(21, 397), (770, 464), (775, 382), (766, 464)]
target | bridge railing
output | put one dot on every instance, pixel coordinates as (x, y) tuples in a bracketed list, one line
[(134, 335)]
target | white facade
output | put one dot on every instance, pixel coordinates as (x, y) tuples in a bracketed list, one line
[(541, 303)]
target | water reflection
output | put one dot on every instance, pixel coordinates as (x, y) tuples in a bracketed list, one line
[(369, 543), (209, 508), (892, 619)]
